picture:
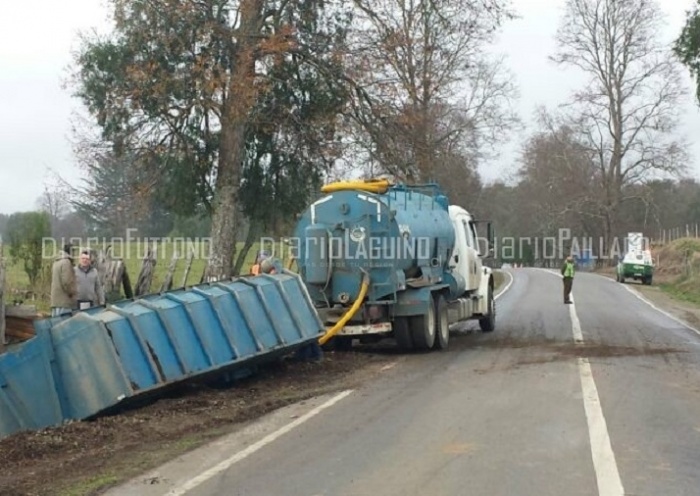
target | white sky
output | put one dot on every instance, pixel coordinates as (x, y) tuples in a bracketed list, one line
[(36, 40)]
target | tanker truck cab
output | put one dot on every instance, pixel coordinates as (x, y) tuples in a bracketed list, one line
[(466, 261), (426, 274)]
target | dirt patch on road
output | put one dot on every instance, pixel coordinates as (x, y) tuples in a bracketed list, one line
[(563, 352), (543, 350), (84, 457)]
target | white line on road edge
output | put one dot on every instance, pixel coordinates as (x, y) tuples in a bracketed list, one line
[(575, 323), (226, 464), (607, 475), (672, 317), (510, 283)]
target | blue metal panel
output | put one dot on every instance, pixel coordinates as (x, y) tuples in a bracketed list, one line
[(233, 322), (133, 355), (181, 332), (206, 324), (89, 370), (254, 314), (76, 367), (28, 396), (155, 338)]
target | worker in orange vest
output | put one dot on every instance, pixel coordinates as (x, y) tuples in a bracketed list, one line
[(263, 264)]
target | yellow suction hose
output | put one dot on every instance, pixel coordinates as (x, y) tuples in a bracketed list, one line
[(350, 313), (370, 185)]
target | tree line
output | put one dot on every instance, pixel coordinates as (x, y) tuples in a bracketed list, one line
[(226, 116)]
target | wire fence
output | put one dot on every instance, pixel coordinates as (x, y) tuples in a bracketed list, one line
[(664, 236)]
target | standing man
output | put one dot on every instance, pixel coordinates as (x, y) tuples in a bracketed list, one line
[(90, 291), (63, 284), (567, 271)]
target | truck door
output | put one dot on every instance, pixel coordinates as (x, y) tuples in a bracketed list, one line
[(477, 266), (471, 258), (460, 257)]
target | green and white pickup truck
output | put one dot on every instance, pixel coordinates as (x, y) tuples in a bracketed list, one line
[(637, 265)]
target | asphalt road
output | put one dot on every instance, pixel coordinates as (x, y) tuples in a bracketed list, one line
[(597, 398)]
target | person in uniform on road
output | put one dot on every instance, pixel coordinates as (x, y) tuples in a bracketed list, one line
[(90, 291), (567, 272), (63, 284)]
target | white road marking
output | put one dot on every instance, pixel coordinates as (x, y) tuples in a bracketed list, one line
[(672, 317), (226, 464), (575, 324), (388, 366), (607, 475), (510, 283), (604, 464)]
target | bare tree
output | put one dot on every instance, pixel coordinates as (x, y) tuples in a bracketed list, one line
[(627, 112), (428, 88)]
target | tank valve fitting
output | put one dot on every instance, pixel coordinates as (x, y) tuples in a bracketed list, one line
[(343, 297)]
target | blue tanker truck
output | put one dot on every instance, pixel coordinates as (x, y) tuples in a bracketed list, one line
[(393, 260)]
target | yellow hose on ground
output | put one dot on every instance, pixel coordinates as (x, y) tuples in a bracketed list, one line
[(349, 314), (371, 185)]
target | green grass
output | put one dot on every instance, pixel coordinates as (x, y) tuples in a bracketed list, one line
[(678, 270), (91, 485), (685, 289), (133, 254)]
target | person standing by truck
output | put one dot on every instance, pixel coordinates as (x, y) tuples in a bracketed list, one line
[(63, 285), (567, 272), (90, 291)]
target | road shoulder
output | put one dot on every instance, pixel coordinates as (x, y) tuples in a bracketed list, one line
[(683, 310)]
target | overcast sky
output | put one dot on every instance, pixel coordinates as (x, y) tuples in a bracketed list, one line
[(37, 38)]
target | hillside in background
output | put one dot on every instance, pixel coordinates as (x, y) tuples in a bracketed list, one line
[(678, 269)]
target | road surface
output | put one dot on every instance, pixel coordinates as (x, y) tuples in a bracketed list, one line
[(601, 397)]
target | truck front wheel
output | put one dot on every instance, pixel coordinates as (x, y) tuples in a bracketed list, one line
[(423, 329), (488, 321)]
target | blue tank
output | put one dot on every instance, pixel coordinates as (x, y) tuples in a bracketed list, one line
[(397, 236)]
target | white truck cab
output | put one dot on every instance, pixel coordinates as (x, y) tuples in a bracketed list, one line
[(466, 258)]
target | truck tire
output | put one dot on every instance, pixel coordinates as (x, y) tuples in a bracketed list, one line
[(423, 329), (442, 324), (402, 333), (488, 322)]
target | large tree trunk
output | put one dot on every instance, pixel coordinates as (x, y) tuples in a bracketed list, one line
[(240, 99), (252, 236)]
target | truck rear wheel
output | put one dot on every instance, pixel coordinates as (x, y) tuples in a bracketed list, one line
[(423, 329), (488, 321), (402, 333), (442, 323)]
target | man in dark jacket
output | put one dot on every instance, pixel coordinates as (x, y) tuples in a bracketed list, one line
[(567, 272), (90, 292)]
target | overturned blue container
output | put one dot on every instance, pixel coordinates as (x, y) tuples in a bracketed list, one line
[(82, 365)]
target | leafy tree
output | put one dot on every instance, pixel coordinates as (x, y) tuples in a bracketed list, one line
[(26, 233), (183, 80), (687, 45)]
